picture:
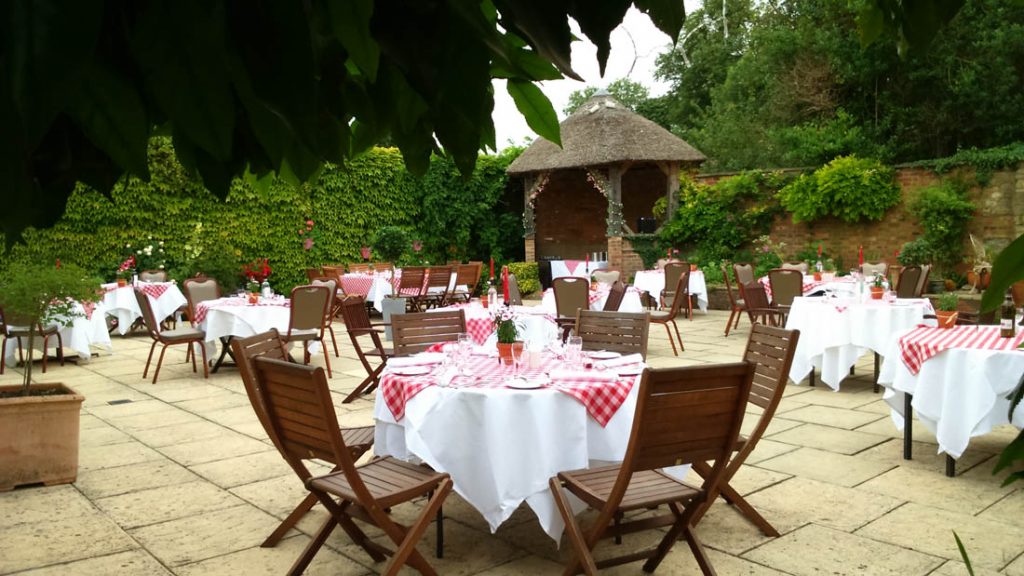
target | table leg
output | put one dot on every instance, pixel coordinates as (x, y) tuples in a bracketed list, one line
[(950, 466), (225, 350), (875, 381), (908, 426)]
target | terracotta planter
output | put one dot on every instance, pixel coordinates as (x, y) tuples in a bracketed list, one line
[(876, 292), (122, 282), (505, 351), (254, 298), (693, 267), (483, 300), (817, 276), (946, 318), (39, 437)]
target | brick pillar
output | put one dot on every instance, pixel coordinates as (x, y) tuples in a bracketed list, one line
[(615, 252), (631, 261), (530, 245)]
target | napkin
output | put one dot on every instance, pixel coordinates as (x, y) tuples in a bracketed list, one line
[(592, 375), (418, 360), (445, 378), (622, 360)]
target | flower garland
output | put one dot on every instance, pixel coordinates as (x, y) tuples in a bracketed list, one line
[(529, 226), (602, 185)]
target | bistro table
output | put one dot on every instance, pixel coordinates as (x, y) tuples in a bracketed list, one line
[(956, 380), (377, 286), (561, 268), (225, 318), (653, 282), (164, 297), (501, 445), (835, 332), (597, 298), (87, 329), (842, 285)]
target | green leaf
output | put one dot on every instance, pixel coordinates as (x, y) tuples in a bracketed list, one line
[(109, 110), (1014, 452), (1007, 269), (870, 23), (544, 25), (597, 20), (963, 554), (536, 109), (350, 21), (667, 15)]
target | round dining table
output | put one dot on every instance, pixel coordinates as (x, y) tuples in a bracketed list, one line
[(653, 282), (119, 301), (87, 329)]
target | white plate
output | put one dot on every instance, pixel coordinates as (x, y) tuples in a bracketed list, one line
[(629, 370), (523, 384), (602, 355), (411, 370)]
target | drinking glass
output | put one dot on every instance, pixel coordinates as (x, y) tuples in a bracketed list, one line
[(574, 351), (464, 350), (518, 355)]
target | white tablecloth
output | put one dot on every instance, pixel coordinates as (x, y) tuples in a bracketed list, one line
[(246, 320), (630, 301), (958, 393), (80, 335), (121, 304), (382, 287), (653, 281), (501, 445), (561, 268), (834, 333)]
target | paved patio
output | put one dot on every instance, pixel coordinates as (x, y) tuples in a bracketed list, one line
[(182, 480)]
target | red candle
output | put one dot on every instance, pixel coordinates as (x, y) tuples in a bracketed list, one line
[(819, 251), (587, 262), (860, 255), (492, 267), (504, 281)]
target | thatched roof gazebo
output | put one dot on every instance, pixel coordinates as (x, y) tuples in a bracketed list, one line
[(612, 167)]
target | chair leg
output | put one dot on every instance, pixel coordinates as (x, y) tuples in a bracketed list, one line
[(728, 323), (406, 542), (678, 337), (3, 355), (317, 542), (334, 342), (206, 365), (327, 358), (45, 351), (670, 340), (305, 506), (159, 362), (149, 358), (582, 551), (60, 348), (188, 352)]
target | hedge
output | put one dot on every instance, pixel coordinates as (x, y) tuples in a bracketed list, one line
[(454, 217)]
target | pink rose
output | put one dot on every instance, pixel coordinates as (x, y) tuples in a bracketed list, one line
[(307, 243)]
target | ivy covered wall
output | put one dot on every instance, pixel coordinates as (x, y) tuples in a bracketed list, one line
[(454, 217)]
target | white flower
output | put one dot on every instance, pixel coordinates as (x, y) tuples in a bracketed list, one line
[(127, 245), (161, 242), (139, 252)]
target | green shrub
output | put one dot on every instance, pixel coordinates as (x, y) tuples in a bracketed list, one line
[(648, 247), (943, 211), (851, 189), (917, 252), (527, 275), (389, 244)]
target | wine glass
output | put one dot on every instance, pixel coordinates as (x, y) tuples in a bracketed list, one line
[(464, 349), (518, 354), (574, 351)]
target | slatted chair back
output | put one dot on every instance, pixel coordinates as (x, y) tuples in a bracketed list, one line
[(383, 266), (354, 313), (199, 289), (688, 414), (615, 295), (313, 273), (606, 276), (623, 332), (438, 280), (153, 276), (572, 293), (411, 283), (358, 267), (246, 350), (416, 332), (870, 270), (801, 266), (673, 270), (786, 284), (515, 298), (310, 310), (300, 416), (910, 278), (759, 310), (467, 275), (735, 300)]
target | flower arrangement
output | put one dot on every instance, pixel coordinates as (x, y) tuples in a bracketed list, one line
[(126, 270), (257, 271), (506, 324), (877, 281), (252, 286), (149, 256)]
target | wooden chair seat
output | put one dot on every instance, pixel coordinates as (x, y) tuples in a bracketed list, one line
[(647, 489), (389, 481)]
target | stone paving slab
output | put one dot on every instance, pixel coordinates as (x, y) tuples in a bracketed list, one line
[(182, 480)]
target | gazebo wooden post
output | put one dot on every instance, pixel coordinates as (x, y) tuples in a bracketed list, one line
[(529, 223), (613, 233), (672, 188)]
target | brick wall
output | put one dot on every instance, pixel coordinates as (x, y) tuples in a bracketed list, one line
[(999, 218), (570, 217)]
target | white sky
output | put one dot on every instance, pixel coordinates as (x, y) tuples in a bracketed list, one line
[(636, 44)]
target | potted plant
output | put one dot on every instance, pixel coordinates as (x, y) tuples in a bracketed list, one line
[(877, 287), (506, 324), (390, 243), (39, 422), (947, 312), (125, 271), (253, 288)]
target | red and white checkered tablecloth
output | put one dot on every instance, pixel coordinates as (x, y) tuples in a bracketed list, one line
[(203, 307), (809, 284), (358, 283), (601, 397), (153, 289), (924, 342)]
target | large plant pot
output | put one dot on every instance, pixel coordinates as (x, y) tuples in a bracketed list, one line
[(505, 351), (39, 437)]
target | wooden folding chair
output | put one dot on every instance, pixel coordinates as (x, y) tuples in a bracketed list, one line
[(770, 350), (410, 287), (435, 290), (624, 332), (615, 296), (683, 415), (303, 425), (268, 345), (736, 304), (572, 293), (416, 332), (759, 310), (357, 322), (466, 275)]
